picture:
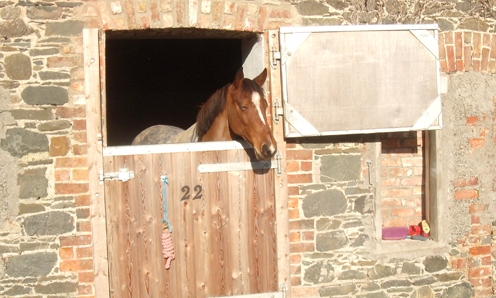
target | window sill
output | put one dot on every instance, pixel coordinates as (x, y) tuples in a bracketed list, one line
[(407, 248)]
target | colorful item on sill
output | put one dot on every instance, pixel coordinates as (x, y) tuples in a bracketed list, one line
[(426, 229), (394, 233)]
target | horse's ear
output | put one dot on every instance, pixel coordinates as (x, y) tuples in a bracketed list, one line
[(239, 78), (260, 80)]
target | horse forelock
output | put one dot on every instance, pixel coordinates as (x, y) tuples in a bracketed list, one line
[(209, 110)]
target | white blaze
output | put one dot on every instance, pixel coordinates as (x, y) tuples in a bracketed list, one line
[(255, 98)]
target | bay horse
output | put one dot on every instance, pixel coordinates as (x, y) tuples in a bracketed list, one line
[(236, 111)]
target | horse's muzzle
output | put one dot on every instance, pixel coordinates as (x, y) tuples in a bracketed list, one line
[(267, 151)]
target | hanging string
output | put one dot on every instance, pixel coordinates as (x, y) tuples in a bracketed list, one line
[(165, 220), (167, 245)]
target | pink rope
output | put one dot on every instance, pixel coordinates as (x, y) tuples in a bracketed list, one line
[(168, 247)]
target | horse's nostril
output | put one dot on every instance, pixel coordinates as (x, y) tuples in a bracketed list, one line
[(264, 150), (267, 150)]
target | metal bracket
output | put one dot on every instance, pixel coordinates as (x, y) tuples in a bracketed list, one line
[(369, 163), (274, 56), (123, 175), (278, 158), (278, 112)]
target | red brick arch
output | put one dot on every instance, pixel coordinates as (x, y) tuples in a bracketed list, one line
[(223, 15)]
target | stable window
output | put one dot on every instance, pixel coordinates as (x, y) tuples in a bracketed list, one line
[(163, 76), (371, 79), (360, 79)]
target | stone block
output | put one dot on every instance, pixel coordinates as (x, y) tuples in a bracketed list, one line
[(341, 290), (395, 283), (33, 184), (49, 223), (410, 269), (450, 276), (336, 168), (44, 52), (352, 274), (320, 272), (44, 12), (461, 290), (53, 75), (10, 13), (360, 240), (423, 292), (56, 288), (326, 224), (37, 264), (14, 28), (18, 67), (45, 95), (30, 208), (381, 271), (54, 125), (325, 203), (331, 241), (67, 28), (16, 290), (19, 142), (435, 263), (42, 114)]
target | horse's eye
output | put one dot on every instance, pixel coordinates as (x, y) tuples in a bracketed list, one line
[(243, 108)]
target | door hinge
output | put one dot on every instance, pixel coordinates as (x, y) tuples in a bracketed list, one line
[(278, 112), (123, 175), (278, 158), (274, 56)]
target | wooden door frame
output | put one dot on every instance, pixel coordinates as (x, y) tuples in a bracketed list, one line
[(92, 47), (274, 96)]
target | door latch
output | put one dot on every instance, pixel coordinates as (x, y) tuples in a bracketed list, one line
[(123, 175)]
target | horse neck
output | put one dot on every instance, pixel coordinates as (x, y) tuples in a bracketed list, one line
[(219, 130), (212, 120)]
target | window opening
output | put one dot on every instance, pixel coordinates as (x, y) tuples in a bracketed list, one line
[(163, 77)]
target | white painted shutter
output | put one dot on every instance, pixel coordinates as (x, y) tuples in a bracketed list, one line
[(359, 79)]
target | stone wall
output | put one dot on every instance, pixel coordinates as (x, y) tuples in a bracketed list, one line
[(45, 232)]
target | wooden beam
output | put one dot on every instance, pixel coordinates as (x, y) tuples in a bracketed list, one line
[(95, 160), (274, 95)]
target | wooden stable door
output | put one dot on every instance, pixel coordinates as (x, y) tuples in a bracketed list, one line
[(223, 224)]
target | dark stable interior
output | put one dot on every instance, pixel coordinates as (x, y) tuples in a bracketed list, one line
[(163, 81)]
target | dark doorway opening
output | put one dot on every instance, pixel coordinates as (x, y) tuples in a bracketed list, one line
[(163, 79)]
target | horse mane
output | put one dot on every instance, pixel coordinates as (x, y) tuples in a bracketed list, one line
[(209, 110)]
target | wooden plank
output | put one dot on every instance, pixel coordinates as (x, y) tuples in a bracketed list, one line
[(95, 161), (265, 193), (146, 234), (201, 230), (208, 281), (158, 273), (234, 179), (121, 242), (183, 214), (170, 278), (280, 181), (114, 215), (220, 241)]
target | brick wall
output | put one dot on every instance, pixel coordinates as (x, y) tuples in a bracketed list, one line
[(402, 181), (462, 52), (468, 148), (45, 210)]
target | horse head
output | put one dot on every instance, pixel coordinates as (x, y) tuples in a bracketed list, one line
[(247, 113)]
